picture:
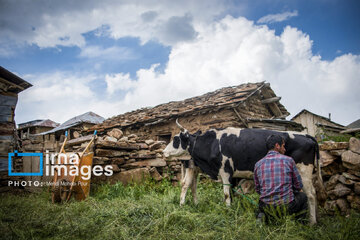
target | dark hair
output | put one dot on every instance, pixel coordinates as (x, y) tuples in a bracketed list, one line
[(272, 140)]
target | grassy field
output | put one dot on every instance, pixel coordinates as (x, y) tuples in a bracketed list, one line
[(151, 211)]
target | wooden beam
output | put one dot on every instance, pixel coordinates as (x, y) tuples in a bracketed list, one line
[(273, 106), (241, 119), (271, 100), (11, 84)]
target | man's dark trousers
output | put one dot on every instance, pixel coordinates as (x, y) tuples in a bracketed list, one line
[(298, 206)]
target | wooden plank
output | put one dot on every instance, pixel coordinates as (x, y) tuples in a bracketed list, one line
[(241, 118), (6, 110), (273, 106), (271, 100), (8, 100)]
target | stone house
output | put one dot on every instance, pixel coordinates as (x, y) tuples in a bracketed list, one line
[(253, 105), (35, 127), (316, 125), (10, 86)]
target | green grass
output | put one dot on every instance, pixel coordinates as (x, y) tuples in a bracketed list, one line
[(152, 211)]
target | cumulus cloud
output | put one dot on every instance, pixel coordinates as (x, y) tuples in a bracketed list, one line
[(280, 17), (120, 81), (228, 52), (63, 23)]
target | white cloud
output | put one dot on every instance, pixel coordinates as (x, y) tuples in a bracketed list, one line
[(111, 53), (228, 52), (120, 81), (280, 17), (50, 24)]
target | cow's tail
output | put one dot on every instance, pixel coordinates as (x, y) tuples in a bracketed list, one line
[(317, 157), (322, 190)]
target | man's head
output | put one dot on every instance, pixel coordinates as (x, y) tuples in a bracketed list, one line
[(276, 143)]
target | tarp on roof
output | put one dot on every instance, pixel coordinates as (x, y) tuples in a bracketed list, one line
[(88, 117)]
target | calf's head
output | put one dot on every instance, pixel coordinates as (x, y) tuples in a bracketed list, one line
[(180, 144)]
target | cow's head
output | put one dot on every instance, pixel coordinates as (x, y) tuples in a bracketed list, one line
[(180, 144)]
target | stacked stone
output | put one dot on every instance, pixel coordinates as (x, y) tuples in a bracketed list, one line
[(341, 173), (132, 158)]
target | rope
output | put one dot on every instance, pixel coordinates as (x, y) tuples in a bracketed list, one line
[(242, 194)]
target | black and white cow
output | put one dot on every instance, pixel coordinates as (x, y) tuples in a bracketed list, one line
[(231, 151)]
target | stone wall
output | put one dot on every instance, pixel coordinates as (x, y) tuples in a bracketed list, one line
[(341, 174)]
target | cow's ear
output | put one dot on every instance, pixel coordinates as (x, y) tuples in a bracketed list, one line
[(198, 133)]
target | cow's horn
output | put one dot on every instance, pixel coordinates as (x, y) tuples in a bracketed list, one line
[(181, 127)]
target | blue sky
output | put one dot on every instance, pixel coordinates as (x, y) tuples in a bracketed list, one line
[(116, 56)]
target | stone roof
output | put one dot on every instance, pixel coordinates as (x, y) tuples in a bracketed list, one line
[(39, 123), (88, 117), (223, 98)]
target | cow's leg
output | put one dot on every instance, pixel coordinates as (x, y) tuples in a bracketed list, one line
[(306, 176), (194, 185), (186, 182), (226, 172)]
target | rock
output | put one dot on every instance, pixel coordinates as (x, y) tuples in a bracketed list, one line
[(326, 158), (147, 163), (133, 137), (115, 168), (330, 207), (346, 181), (330, 185), (118, 161), (124, 139), (116, 133), (339, 191), (76, 134), (331, 145), (110, 153), (100, 160), (337, 153), (131, 176), (149, 142), (332, 169), (354, 145), (155, 174), (357, 188), (143, 146), (156, 145), (354, 201), (110, 139), (353, 172), (351, 160), (350, 176), (343, 206)]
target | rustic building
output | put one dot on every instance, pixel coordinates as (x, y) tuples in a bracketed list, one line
[(35, 127), (252, 105), (10, 86), (75, 125), (316, 125), (353, 128)]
